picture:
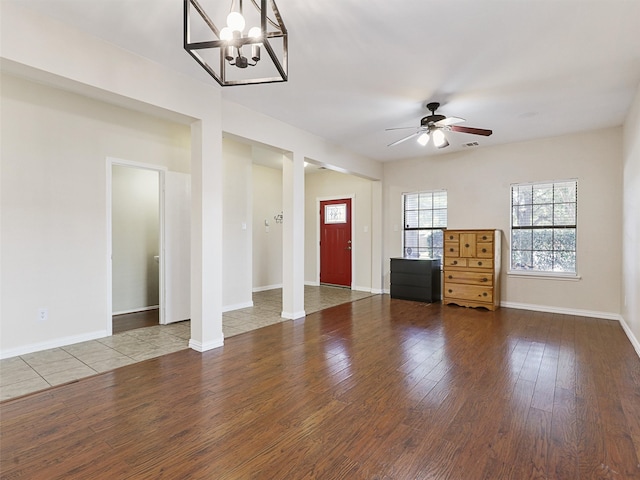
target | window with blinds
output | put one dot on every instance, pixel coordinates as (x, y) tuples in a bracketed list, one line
[(544, 226), (425, 217)]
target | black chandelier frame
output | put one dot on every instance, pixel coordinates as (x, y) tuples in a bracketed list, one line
[(194, 48)]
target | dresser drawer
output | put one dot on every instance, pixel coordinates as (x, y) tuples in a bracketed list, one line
[(485, 236), (451, 236), (471, 278), (452, 249), (399, 278), (455, 262), (474, 293), (480, 263), (484, 250)]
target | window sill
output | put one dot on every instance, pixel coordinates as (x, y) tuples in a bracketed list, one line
[(545, 275)]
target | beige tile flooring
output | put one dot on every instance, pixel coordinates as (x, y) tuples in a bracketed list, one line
[(37, 371)]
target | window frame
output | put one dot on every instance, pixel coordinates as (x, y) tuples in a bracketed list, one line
[(405, 229), (555, 274)]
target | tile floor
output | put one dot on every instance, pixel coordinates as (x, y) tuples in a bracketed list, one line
[(37, 371)]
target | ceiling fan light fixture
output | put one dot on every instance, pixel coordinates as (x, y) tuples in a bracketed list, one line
[(439, 140), (423, 139)]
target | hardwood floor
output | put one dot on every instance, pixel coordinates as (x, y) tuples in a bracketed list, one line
[(132, 321), (374, 389)]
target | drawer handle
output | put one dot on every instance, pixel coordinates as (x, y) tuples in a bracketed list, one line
[(450, 277), (484, 250), (484, 237), (479, 263), (485, 279), (455, 262), (450, 291), (451, 249), (466, 245), (450, 237), (484, 294)]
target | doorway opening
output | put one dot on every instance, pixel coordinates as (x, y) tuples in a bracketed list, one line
[(135, 246)]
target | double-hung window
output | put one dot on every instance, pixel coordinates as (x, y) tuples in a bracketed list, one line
[(425, 217), (543, 227)]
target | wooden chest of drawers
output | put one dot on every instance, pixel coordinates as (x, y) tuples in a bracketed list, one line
[(471, 267)]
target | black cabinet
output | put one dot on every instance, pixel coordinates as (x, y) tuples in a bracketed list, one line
[(415, 279)]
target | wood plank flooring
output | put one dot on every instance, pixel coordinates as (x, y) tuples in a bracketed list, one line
[(132, 321), (375, 389)]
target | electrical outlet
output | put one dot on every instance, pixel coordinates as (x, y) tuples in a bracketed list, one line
[(43, 314)]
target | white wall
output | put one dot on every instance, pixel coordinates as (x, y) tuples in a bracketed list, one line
[(631, 224), (237, 225), (267, 240), (478, 185), (329, 184), (135, 230), (54, 204), (61, 56)]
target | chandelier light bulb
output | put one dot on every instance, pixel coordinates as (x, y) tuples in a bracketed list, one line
[(235, 21), (226, 34), (255, 32)]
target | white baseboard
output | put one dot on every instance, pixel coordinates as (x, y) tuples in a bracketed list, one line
[(266, 287), (203, 347), (136, 310), (632, 338), (237, 306), (562, 310), (293, 316), (387, 291), (361, 289), (312, 284), (377, 291), (57, 343)]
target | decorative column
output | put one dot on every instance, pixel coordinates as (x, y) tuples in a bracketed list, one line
[(293, 236)]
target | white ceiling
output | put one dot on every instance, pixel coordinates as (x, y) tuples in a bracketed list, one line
[(524, 68)]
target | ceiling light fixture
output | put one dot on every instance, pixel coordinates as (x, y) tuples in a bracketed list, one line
[(439, 140), (226, 53), (423, 139)]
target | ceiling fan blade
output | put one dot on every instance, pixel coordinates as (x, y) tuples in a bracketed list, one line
[(471, 130), (445, 122), (403, 139), (397, 128)]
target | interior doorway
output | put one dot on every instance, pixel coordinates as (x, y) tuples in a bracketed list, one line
[(335, 242), (135, 246)]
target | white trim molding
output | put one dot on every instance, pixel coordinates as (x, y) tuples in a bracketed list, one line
[(632, 338), (136, 310), (266, 287), (200, 347), (237, 306), (293, 316), (57, 343), (562, 310)]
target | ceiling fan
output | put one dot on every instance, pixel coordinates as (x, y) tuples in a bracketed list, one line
[(435, 125)]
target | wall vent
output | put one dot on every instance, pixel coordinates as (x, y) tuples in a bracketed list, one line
[(470, 144)]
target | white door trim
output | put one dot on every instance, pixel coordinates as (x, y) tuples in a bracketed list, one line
[(110, 163), (352, 197)]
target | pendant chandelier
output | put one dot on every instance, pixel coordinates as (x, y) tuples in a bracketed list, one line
[(233, 55)]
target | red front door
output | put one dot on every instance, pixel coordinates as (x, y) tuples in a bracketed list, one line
[(335, 242)]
